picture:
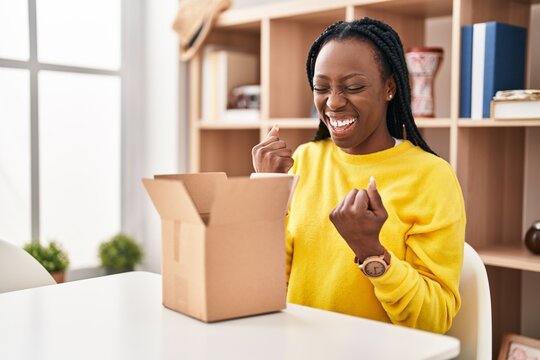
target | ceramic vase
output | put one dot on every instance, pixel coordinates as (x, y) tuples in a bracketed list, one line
[(423, 64)]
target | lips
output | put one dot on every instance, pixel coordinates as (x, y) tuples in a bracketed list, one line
[(340, 126)]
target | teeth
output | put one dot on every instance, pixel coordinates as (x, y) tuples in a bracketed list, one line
[(341, 123)]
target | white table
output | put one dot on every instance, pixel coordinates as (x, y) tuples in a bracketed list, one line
[(121, 317)]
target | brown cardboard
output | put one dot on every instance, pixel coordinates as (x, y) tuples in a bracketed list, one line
[(223, 245)]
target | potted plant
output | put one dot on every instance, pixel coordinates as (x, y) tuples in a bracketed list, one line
[(53, 258), (121, 253)]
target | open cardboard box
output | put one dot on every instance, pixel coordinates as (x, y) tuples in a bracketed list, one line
[(223, 243)]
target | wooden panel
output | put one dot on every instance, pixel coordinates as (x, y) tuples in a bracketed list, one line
[(531, 192), (490, 170), (228, 151), (410, 28), (245, 40), (439, 140), (290, 95), (511, 12), (296, 137), (505, 288), (421, 8)]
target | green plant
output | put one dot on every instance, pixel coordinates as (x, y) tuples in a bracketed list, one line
[(52, 257), (120, 252)]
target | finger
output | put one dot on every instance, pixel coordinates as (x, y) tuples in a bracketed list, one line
[(267, 140), (274, 145), (375, 201), (274, 131), (361, 200), (348, 201), (283, 152), (285, 163)]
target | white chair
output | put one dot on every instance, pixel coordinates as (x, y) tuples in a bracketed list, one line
[(19, 270), (472, 325)]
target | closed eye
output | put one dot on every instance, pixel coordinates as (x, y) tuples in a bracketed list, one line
[(320, 89), (355, 88)]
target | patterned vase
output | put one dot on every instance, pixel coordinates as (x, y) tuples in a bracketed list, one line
[(423, 63)]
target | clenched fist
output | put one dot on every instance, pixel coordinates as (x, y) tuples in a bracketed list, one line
[(359, 218), (272, 155)]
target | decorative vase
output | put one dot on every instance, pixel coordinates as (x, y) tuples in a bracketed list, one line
[(532, 238), (423, 64)]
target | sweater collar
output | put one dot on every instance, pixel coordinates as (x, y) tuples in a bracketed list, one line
[(379, 156)]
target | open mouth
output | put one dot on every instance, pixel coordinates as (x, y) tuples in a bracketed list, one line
[(341, 127)]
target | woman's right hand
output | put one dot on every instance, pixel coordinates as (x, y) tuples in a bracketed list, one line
[(272, 155)]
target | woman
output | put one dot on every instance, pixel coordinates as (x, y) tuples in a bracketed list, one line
[(376, 226)]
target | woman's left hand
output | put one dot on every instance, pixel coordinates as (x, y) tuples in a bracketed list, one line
[(359, 218)]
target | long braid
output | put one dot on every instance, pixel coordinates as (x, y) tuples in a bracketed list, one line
[(389, 53)]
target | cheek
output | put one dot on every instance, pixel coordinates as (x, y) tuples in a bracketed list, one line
[(319, 102)]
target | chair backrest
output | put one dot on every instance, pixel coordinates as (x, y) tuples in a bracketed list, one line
[(472, 324), (19, 270)]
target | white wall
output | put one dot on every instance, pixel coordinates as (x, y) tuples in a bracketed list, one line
[(156, 140)]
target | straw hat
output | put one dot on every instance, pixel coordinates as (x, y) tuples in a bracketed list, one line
[(194, 21)]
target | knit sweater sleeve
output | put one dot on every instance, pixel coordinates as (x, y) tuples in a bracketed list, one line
[(422, 290)]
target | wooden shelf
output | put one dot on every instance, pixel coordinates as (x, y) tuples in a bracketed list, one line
[(204, 125), (497, 123), (433, 122), (510, 256), (293, 123)]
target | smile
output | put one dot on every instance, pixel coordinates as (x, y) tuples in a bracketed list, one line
[(341, 127)]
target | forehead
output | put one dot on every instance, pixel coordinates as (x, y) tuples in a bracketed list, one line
[(347, 55)]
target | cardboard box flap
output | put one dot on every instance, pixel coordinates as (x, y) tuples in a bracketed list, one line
[(172, 200), (200, 187), (244, 199)]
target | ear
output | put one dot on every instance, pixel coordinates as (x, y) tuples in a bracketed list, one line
[(390, 87)]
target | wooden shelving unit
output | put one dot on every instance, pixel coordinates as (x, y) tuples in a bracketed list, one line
[(496, 160)]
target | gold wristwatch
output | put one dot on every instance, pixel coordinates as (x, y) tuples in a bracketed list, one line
[(374, 266)]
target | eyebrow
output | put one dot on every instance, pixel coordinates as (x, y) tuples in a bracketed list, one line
[(346, 77)]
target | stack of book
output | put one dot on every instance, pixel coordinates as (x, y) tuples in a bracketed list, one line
[(223, 71), (516, 105), (492, 59)]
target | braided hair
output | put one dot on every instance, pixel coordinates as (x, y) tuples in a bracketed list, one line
[(389, 54)]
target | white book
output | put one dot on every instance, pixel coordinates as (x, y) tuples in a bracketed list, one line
[(478, 61), (515, 109)]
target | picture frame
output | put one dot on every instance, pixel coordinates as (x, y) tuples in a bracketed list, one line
[(518, 347)]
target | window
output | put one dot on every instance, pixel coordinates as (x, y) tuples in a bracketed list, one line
[(60, 123)]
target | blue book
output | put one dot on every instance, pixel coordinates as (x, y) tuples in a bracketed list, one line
[(498, 63), (466, 71)]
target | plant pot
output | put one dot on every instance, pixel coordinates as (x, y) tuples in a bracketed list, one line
[(59, 276), (111, 271)]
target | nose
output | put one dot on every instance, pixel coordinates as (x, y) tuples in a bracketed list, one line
[(335, 100)]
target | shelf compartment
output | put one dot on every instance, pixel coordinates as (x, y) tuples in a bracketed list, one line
[(289, 40), (227, 150), (510, 256), (490, 168)]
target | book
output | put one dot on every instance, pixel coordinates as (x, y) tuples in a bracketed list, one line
[(466, 71), (516, 105), (497, 63), (224, 69)]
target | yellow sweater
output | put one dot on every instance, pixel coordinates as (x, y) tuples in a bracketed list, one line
[(424, 234)]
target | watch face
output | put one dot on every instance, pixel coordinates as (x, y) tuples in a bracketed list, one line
[(374, 268)]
